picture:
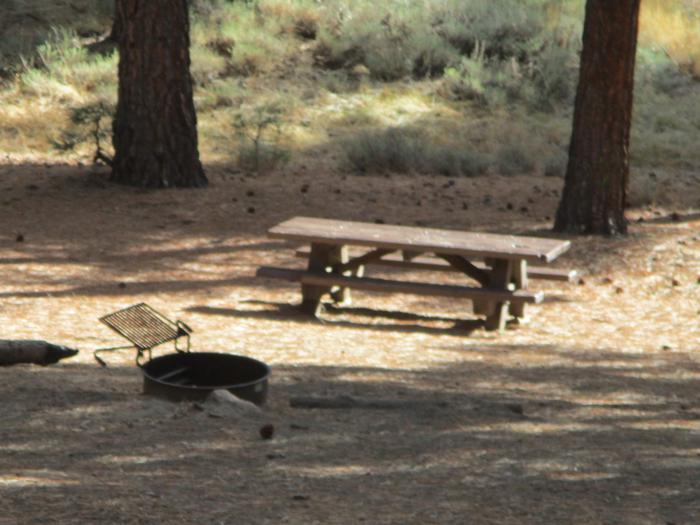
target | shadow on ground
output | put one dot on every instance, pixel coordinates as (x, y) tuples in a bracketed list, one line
[(587, 438)]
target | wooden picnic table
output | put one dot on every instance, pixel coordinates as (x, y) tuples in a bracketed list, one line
[(499, 264)]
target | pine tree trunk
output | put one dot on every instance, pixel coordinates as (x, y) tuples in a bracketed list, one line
[(595, 189), (155, 127), (117, 25)]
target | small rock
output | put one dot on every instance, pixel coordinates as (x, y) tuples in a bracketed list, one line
[(675, 217), (267, 431), (300, 497), (251, 210), (675, 282), (465, 206), (304, 188), (606, 280), (250, 193), (516, 409), (665, 348), (19, 238), (509, 206), (618, 290), (524, 209), (224, 399), (121, 285)]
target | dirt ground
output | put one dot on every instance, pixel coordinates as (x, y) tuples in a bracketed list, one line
[(589, 414)]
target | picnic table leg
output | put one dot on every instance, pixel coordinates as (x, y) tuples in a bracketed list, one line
[(338, 256), (521, 283), (319, 261), (500, 277), (323, 258)]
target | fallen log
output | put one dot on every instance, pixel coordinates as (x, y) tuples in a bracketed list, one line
[(13, 352), (349, 402)]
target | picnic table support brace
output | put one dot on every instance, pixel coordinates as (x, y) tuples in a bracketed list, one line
[(461, 264)]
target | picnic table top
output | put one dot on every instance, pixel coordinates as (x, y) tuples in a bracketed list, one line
[(468, 244)]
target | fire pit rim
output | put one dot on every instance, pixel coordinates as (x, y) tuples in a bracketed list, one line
[(259, 385)]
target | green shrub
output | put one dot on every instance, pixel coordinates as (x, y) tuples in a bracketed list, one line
[(393, 42), (90, 123), (207, 65), (555, 165), (259, 129), (555, 73), (487, 82), (510, 28), (392, 150), (514, 159), (407, 150)]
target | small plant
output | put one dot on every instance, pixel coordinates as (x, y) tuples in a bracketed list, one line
[(88, 126), (259, 130), (468, 80)]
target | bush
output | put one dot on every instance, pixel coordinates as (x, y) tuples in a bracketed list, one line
[(555, 74), (259, 129), (555, 165), (392, 150), (513, 159), (406, 150), (91, 123), (510, 28), (393, 44)]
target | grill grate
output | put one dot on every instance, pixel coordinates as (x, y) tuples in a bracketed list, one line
[(144, 327)]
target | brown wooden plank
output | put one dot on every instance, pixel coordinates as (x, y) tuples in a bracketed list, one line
[(469, 244), (435, 264), (385, 285)]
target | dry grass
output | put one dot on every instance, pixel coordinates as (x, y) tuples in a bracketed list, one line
[(675, 28)]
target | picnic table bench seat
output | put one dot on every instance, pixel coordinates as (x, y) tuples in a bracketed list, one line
[(499, 264), (390, 285)]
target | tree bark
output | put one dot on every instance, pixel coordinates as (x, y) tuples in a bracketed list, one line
[(155, 127), (117, 25), (595, 188)]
